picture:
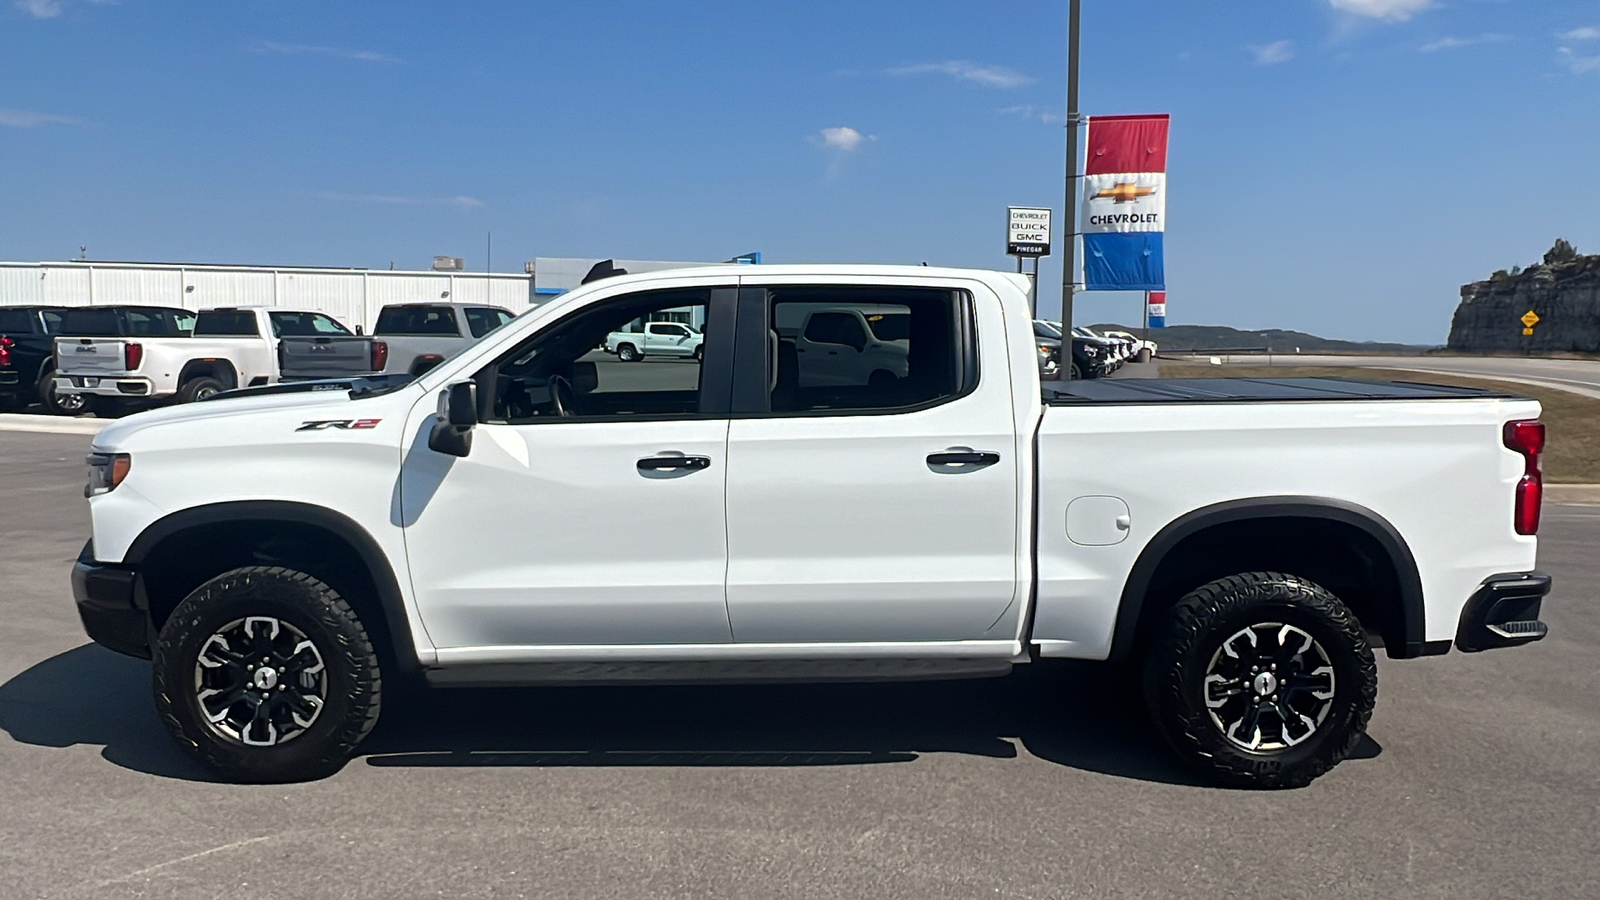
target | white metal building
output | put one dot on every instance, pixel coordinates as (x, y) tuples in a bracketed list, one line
[(352, 296)]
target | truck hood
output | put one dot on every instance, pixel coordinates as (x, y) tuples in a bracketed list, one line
[(335, 397)]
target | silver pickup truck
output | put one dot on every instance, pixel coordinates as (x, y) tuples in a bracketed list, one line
[(408, 339)]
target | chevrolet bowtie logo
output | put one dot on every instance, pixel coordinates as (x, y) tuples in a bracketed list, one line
[(1125, 192)]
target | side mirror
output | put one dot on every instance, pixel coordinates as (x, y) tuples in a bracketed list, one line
[(458, 414)]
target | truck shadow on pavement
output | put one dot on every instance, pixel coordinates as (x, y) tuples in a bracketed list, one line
[(1078, 715)]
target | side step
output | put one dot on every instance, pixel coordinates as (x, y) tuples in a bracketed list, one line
[(1504, 612), (730, 671)]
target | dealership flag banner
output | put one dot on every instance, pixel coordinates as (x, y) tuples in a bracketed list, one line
[(1156, 310), (1124, 208)]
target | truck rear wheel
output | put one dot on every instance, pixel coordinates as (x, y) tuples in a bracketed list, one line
[(200, 388), (265, 674), (54, 403), (1261, 680)]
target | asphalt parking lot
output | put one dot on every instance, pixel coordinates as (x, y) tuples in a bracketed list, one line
[(1481, 777)]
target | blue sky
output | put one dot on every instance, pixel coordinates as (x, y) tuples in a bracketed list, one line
[(1337, 166)]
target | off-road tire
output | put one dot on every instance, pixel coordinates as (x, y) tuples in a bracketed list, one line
[(200, 388), (1184, 646), (354, 684), (627, 353), (1075, 373)]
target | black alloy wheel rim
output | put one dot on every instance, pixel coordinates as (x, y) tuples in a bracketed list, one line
[(1269, 687), (260, 681)]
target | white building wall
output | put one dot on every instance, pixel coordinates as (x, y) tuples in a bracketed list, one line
[(353, 296)]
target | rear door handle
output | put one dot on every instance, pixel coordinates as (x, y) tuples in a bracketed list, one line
[(963, 458), (658, 463)]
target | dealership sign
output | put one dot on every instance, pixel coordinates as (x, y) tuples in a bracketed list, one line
[(1027, 231), (1124, 207), (1156, 309)]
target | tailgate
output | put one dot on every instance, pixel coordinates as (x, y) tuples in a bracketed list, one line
[(90, 356), (324, 357)]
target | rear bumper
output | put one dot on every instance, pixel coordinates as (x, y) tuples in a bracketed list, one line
[(1504, 612), (105, 385), (108, 605)]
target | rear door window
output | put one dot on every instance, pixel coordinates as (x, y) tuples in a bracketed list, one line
[(484, 319), (304, 324)]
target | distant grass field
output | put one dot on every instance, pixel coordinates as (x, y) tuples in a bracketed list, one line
[(1572, 452)]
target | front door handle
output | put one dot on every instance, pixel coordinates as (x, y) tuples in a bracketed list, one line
[(963, 458), (659, 463)]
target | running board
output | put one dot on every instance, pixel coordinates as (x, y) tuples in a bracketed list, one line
[(728, 671)]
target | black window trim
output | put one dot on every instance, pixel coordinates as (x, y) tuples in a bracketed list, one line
[(716, 363), (752, 396)]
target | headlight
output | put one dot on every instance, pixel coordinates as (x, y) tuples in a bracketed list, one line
[(106, 471)]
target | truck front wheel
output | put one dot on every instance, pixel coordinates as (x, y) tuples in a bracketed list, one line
[(627, 353), (265, 674), (1261, 680)]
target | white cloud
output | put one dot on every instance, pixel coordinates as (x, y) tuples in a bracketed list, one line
[(1386, 10), (459, 202), (1586, 33), (336, 52), (843, 139), (988, 76), (1029, 111), (1578, 64), (50, 9), (1273, 53), (1450, 43), (40, 9), (24, 118)]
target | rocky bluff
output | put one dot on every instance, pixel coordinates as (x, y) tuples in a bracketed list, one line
[(1563, 291)]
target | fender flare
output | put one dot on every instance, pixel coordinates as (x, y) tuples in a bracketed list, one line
[(1412, 609), (366, 547)]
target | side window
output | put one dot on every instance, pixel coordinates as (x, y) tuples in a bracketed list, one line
[(52, 321), (417, 320), (565, 371), (483, 319), (666, 330), (841, 349), (226, 323), (303, 324), (149, 323)]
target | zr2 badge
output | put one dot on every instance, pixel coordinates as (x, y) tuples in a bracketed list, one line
[(341, 424)]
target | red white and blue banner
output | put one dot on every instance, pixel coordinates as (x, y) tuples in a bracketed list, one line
[(1124, 207), (1156, 310)]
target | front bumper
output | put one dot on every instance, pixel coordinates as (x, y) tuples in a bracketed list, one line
[(108, 603), (1504, 612), (105, 386)]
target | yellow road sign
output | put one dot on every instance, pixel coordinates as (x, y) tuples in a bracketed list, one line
[(1527, 331), (1530, 319)]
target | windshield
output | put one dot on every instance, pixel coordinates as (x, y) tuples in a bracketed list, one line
[(1045, 329)]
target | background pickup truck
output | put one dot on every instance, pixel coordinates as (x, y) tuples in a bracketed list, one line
[(640, 339), (27, 345), (532, 511), (408, 339), (230, 347)]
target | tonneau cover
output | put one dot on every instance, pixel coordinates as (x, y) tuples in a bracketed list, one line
[(1247, 390)]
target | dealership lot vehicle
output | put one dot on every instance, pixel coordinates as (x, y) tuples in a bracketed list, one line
[(408, 339), (229, 347), (1142, 350), (28, 359), (276, 552), (641, 339)]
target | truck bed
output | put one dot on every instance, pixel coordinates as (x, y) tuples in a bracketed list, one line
[(1247, 390)]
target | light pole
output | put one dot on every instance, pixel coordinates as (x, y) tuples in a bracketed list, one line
[(1069, 254)]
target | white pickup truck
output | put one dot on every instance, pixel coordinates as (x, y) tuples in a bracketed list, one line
[(409, 339), (639, 339), (283, 553), (231, 347)]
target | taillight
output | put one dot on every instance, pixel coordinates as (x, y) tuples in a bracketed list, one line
[(1526, 436), (5, 351), (132, 355), (380, 355)]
